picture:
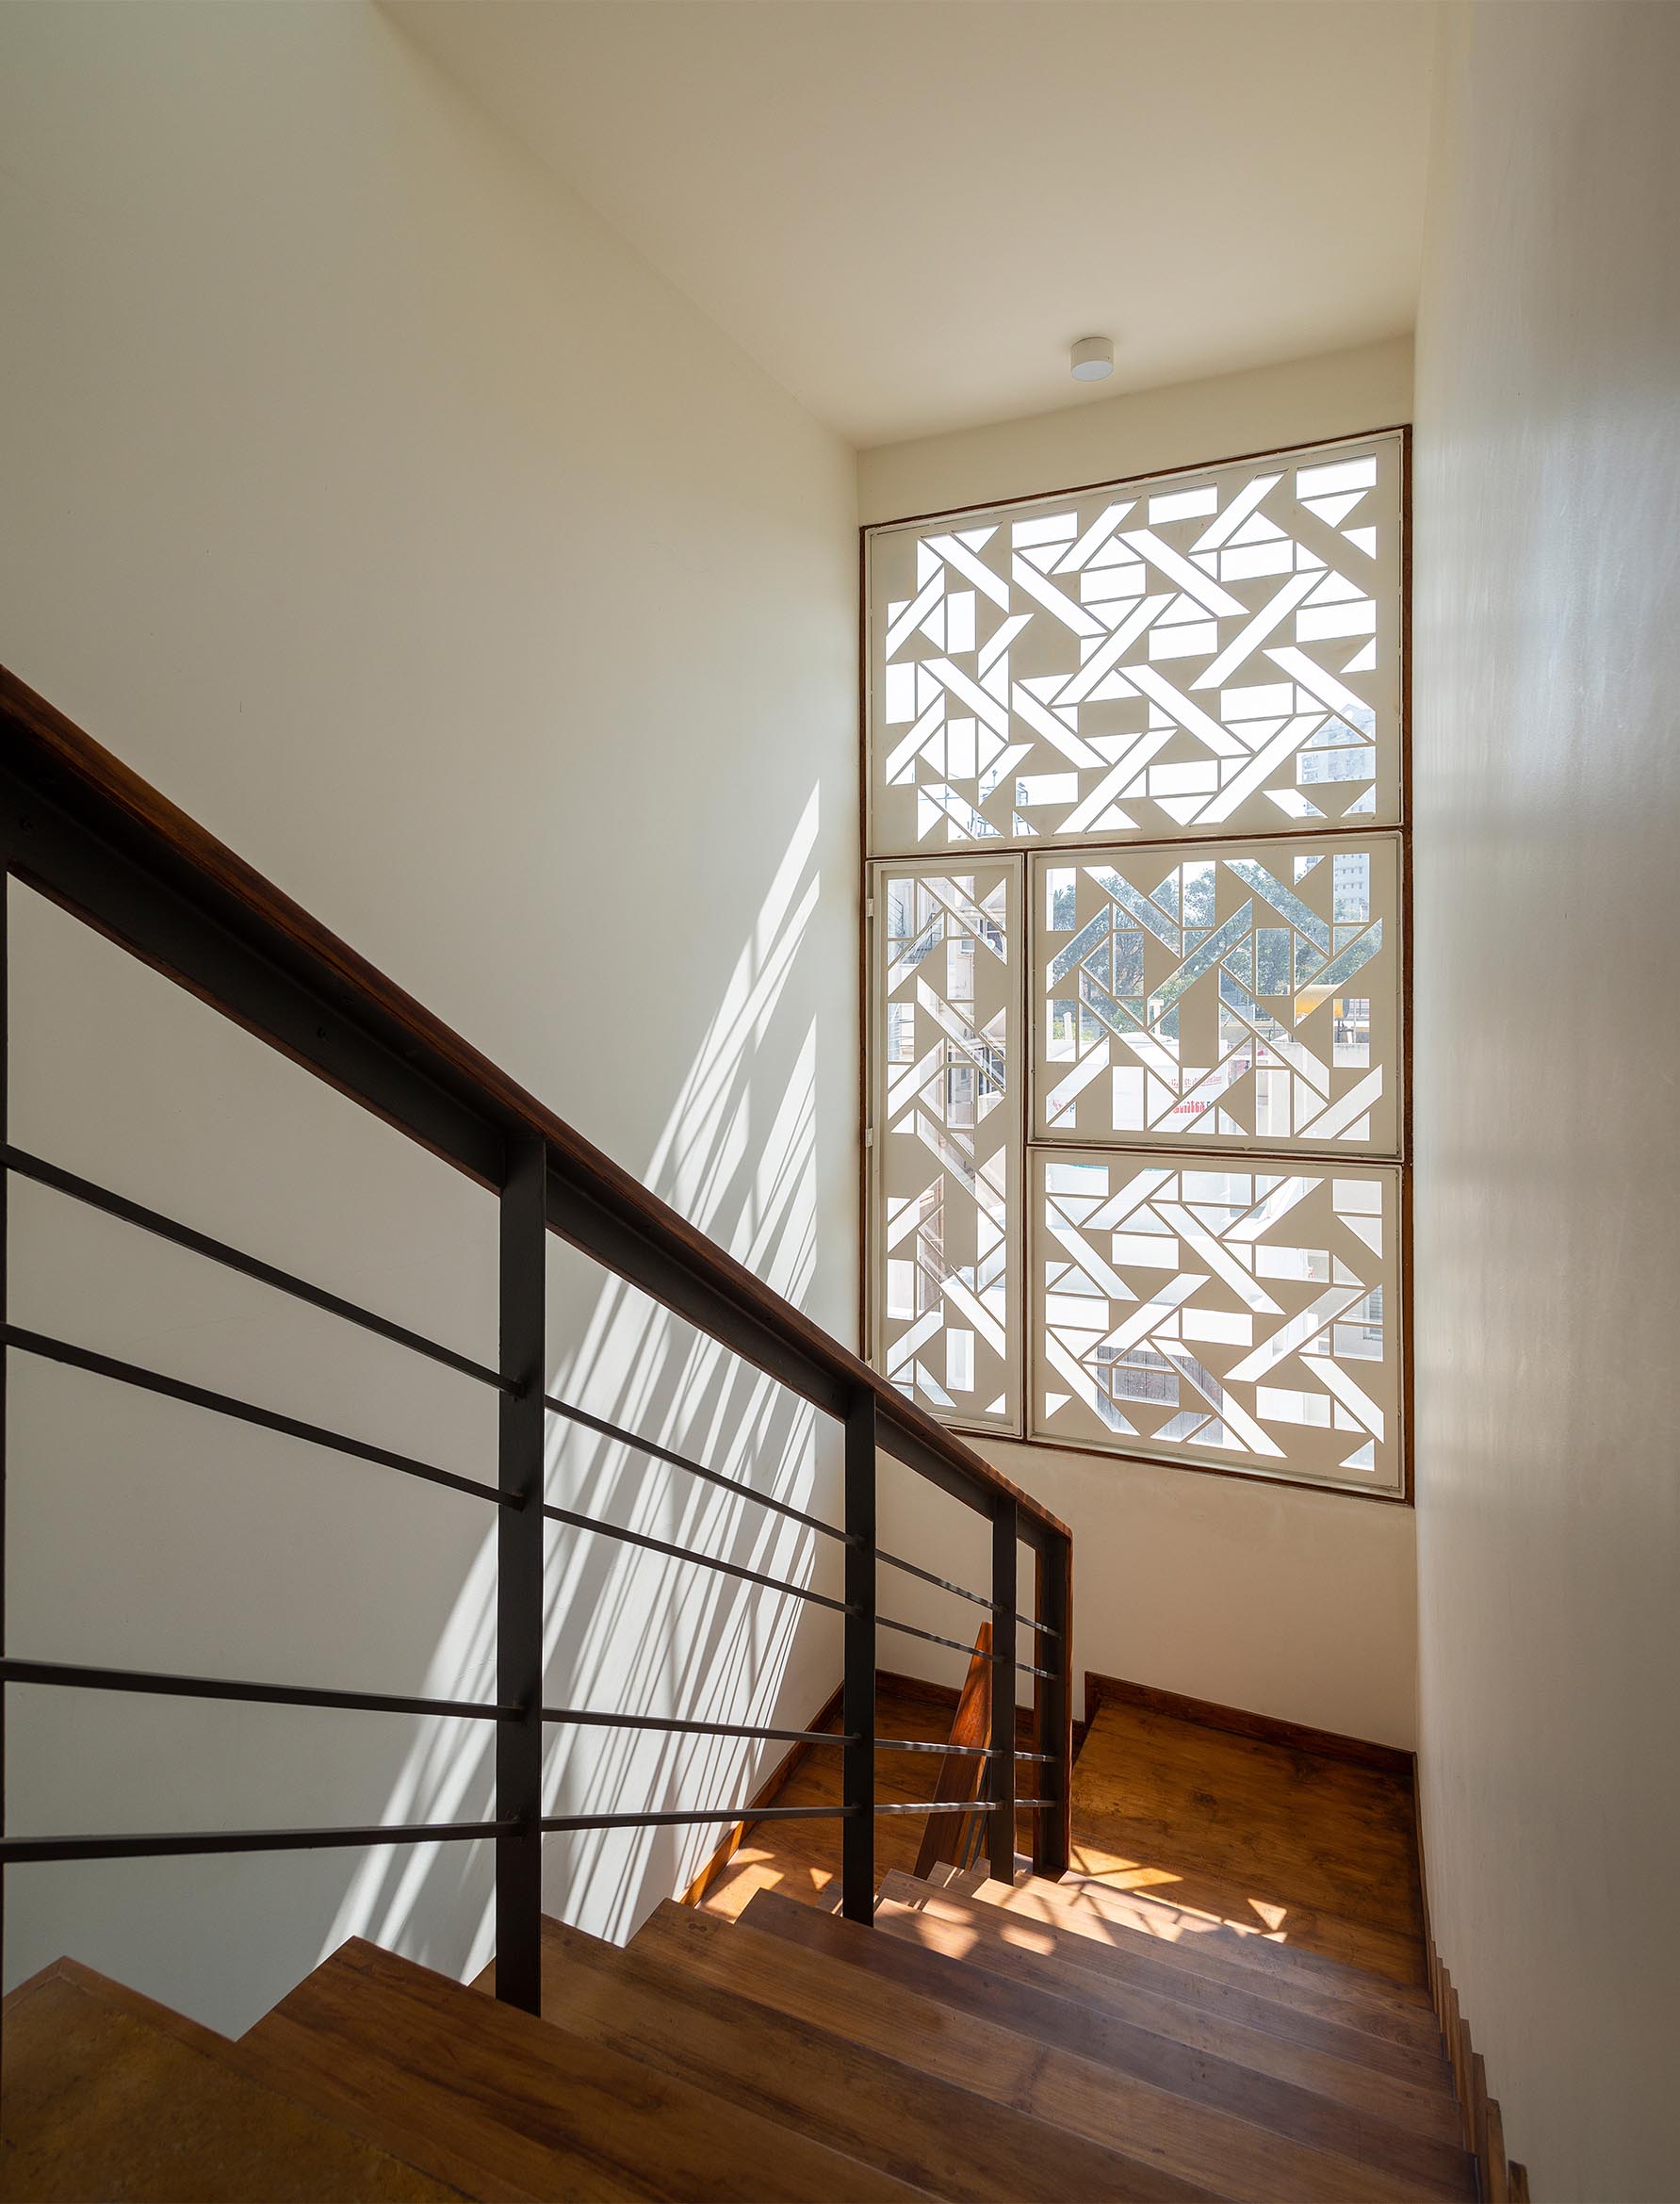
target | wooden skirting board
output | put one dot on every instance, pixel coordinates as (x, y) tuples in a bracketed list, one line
[(1296, 1737)]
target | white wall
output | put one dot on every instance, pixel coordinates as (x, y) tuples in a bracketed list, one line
[(369, 496), (1548, 788), (1292, 1603), (1101, 439)]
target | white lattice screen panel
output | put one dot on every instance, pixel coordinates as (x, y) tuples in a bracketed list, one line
[(946, 1160), (1211, 652), (1246, 1319), (1233, 993)]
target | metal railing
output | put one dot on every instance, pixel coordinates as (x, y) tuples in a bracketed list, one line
[(81, 829)]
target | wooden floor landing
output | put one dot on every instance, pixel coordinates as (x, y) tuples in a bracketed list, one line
[(1295, 1846)]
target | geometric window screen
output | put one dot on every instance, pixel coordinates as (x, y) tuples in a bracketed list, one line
[(946, 1153), (1135, 818), (1213, 652), (1236, 993), (1240, 1317)]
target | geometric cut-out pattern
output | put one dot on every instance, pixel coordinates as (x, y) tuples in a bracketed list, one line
[(1241, 1317), (1237, 993), (946, 1162), (1204, 652)]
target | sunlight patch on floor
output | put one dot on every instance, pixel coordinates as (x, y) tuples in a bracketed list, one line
[(1163, 1916)]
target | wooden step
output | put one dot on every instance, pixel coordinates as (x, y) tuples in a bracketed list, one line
[(507, 2107), (1320, 1987), (1281, 2102), (794, 2068), (1191, 1972), (1199, 2143), (1253, 1831), (1155, 1911), (1232, 1926), (111, 2098), (1303, 1931), (1272, 2039)]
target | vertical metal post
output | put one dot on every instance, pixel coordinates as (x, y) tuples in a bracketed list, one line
[(999, 1769), (519, 1577), (5, 1351), (1053, 1729), (858, 1831)]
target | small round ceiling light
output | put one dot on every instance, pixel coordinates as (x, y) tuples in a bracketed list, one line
[(1092, 358)]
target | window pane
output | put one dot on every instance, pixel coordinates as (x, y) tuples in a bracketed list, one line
[(1210, 995), (945, 1165), (1222, 655), (1228, 1316)]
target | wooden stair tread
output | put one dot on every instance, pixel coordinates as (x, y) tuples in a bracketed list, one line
[(1103, 1919), (109, 2097), (1155, 1911), (1198, 2141), (506, 2106), (1271, 2038), (1055, 2016), (1255, 1833), (1320, 1936), (649, 2004)]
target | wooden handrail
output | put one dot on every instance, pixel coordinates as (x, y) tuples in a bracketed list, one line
[(51, 763)]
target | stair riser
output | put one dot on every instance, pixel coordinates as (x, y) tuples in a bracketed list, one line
[(1186, 2071), (1198, 2141), (1419, 2110)]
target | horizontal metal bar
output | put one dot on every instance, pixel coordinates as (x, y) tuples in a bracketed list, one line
[(713, 1477), (941, 1806), (964, 1752), (18, 1851), (932, 1638), (956, 1646), (60, 1675), (675, 1553), (562, 1824), (928, 1576), (81, 1357), (917, 1745), (559, 1824), (23, 1850), (962, 1591), (231, 1258), (589, 1717)]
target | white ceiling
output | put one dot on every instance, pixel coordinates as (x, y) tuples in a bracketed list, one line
[(909, 209)]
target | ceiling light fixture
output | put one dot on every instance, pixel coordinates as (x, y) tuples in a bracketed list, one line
[(1092, 358)]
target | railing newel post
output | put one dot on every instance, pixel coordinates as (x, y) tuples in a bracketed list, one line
[(857, 1775), (4, 1350), (1054, 1703), (523, 1251), (999, 1769)]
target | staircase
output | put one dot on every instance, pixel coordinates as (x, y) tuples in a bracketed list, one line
[(1040, 2040), (940, 2034)]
